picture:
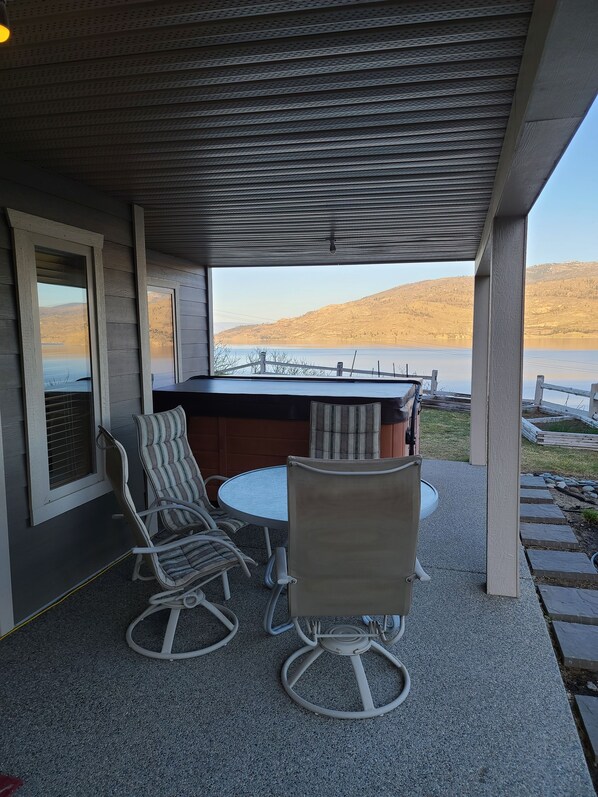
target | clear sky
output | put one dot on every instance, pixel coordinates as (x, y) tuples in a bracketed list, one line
[(563, 226)]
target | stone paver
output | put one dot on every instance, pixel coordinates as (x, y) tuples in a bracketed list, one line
[(588, 708), (541, 513), (570, 604), (532, 481), (548, 535), (533, 495), (578, 644), (569, 567)]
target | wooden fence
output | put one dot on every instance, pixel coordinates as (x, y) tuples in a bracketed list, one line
[(592, 394), (339, 370), (531, 428)]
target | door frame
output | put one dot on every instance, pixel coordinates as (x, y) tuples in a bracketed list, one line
[(7, 620)]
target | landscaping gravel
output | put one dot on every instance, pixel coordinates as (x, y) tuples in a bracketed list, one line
[(586, 489)]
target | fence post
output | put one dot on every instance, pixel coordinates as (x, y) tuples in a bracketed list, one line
[(434, 383), (593, 408), (262, 362), (539, 389), (339, 369)]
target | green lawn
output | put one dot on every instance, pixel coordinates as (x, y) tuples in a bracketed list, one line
[(445, 435)]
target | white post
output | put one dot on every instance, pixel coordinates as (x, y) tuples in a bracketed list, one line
[(505, 361), (210, 309), (539, 390), (339, 369), (262, 362), (479, 361), (142, 309), (593, 408), (6, 608), (434, 382)]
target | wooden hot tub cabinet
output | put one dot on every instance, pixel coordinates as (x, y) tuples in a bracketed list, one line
[(236, 424)]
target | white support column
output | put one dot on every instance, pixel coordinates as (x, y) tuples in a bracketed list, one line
[(6, 608), (210, 304), (507, 293), (138, 218), (479, 362)]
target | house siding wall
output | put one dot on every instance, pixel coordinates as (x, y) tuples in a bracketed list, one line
[(190, 281), (49, 559)]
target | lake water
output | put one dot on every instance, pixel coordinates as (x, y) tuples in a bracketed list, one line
[(567, 363), (572, 364)]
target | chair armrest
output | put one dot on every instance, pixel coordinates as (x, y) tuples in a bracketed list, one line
[(420, 573), (187, 506), (169, 546), (282, 576), (145, 512), (216, 478), (164, 504)]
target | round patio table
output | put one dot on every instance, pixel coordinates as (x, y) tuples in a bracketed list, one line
[(260, 497)]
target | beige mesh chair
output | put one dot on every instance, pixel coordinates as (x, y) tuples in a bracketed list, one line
[(344, 431), (347, 559), (181, 567), (336, 432)]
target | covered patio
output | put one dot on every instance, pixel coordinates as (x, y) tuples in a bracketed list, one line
[(487, 714), (243, 134), (158, 140)]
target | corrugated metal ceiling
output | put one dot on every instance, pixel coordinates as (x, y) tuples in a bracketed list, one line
[(251, 131)]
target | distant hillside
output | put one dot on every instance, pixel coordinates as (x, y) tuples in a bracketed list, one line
[(64, 323), (67, 323), (160, 319), (561, 302)]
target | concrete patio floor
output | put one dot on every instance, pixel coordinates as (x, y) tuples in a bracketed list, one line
[(82, 714)]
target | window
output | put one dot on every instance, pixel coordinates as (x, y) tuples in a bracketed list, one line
[(161, 302), (63, 334)]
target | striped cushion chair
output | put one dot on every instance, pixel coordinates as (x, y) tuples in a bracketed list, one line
[(174, 474), (181, 567), (344, 431), (336, 432)]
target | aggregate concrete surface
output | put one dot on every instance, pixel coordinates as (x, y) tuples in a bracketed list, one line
[(487, 715)]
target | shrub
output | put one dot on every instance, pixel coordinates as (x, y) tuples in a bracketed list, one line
[(591, 515)]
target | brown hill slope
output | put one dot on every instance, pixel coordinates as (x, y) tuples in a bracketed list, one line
[(65, 323), (561, 301)]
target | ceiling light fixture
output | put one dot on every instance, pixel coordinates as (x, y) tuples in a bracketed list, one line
[(4, 23)]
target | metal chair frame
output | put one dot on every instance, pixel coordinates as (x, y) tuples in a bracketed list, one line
[(175, 597)]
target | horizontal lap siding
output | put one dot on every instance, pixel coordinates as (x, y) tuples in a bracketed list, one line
[(49, 559), (190, 281)]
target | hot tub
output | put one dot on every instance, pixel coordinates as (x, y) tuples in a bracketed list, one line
[(237, 424)]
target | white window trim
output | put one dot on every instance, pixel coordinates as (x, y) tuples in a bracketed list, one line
[(173, 287), (210, 311), (29, 231), (7, 620)]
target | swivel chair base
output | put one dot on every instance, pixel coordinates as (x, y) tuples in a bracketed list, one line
[(224, 615), (352, 641)]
